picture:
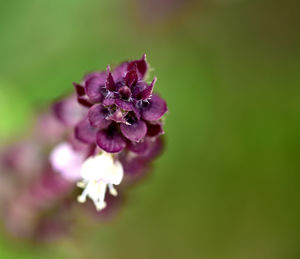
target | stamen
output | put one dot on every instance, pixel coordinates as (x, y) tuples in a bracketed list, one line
[(98, 172)]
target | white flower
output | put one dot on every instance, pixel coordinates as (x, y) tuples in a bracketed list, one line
[(66, 161), (98, 173)]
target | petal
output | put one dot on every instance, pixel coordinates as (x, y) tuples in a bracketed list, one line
[(138, 147), (155, 148), (134, 132), (120, 71), (85, 132), (95, 87), (146, 93), (109, 101), (48, 129), (68, 111), (155, 109), (66, 161), (110, 83), (134, 166), (141, 65), (79, 89), (94, 75), (83, 100), (124, 105), (131, 77), (79, 146), (111, 140), (97, 116), (154, 129), (137, 112), (138, 88)]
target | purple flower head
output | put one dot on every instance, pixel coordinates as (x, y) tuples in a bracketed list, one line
[(122, 109)]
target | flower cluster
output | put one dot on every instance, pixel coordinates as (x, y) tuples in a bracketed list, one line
[(119, 119), (122, 110)]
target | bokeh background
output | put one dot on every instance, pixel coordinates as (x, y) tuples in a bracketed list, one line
[(228, 184)]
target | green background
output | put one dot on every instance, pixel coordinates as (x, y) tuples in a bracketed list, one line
[(227, 185)]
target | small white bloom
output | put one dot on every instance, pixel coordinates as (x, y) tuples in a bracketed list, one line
[(66, 161), (98, 173)]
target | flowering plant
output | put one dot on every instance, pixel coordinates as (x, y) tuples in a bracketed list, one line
[(105, 134)]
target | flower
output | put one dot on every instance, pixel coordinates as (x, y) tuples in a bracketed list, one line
[(98, 173), (68, 111), (75, 162), (122, 110), (65, 160)]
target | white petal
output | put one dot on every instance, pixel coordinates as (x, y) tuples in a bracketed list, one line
[(98, 173), (102, 167), (66, 161)]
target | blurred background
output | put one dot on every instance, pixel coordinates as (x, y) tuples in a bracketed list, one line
[(228, 184)]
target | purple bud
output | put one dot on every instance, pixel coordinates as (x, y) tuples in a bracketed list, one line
[(146, 93), (131, 77), (125, 92), (110, 83), (141, 65)]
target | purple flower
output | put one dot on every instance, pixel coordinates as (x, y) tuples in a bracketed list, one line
[(68, 112), (122, 110), (23, 209), (24, 158)]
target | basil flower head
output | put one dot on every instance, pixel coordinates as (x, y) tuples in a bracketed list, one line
[(122, 108)]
